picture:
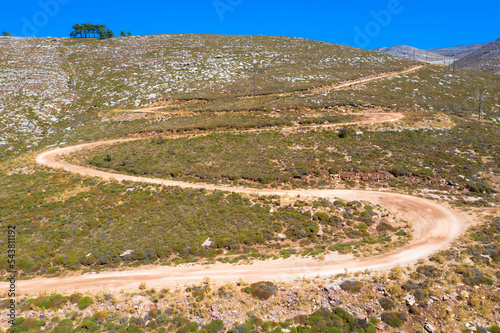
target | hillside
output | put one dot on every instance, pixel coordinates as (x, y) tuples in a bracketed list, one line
[(208, 183), (479, 57), (413, 53), (49, 85), (457, 51), (485, 59)]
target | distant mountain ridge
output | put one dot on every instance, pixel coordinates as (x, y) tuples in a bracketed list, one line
[(458, 51), (413, 53), (483, 57)]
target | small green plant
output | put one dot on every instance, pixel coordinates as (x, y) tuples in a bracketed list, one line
[(84, 302)]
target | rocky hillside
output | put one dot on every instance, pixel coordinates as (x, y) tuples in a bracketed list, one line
[(49, 85), (413, 53), (34, 91), (480, 57), (457, 51), (486, 59)]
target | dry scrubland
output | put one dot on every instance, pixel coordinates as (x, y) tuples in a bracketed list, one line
[(61, 91)]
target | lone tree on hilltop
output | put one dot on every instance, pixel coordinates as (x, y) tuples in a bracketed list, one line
[(123, 33), (5, 33)]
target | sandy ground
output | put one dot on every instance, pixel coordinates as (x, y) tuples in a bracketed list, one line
[(435, 226)]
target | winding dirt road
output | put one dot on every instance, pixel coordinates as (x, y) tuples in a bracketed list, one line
[(435, 226), (311, 91)]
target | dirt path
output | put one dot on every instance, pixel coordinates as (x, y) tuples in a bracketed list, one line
[(312, 91), (435, 227)]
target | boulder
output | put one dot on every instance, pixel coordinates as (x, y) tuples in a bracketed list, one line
[(429, 328), (410, 300)]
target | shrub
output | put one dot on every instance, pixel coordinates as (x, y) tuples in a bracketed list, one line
[(351, 286), (339, 203), (100, 314), (74, 298), (109, 325), (192, 326), (154, 312), (214, 326), (386, 303), (84, 302), (263, 290), (133, 329), (429, 271), (393, 319), (494, 329), (88, 324), (65, 326), (346, 132), (384, 226)]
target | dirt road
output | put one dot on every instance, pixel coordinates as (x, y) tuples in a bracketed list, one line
[(312, 91), (435, 227)]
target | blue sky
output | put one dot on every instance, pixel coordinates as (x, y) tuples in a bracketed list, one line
[(366, 24)]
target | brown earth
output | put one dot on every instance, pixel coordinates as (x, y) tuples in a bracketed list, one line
[(435, 226)]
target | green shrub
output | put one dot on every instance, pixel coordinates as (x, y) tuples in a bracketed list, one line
[(84, 302), (132, 328), (494, 329), (214, 326), (64, 326), (192, 326), (109, 325), (88, 324), (339, 203)]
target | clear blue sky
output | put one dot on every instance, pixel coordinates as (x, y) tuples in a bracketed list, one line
[(420, 23)]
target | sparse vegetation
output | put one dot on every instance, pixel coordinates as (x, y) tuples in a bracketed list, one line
[(62, 91)]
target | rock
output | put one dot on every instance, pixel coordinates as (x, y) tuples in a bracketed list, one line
[(369, 310), (320, 232), (429, 328), (126, 253), (207, 243), (410, 300), (471, 327), (281, 236)]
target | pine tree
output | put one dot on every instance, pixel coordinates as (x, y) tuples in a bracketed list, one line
[(109, 33), (5, 33), (102, 33), (123, 33), (129, 33)]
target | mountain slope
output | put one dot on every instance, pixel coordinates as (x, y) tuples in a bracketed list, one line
[(46, 83), (486, 59), (457, 51), (483, 57), (412, 53)]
